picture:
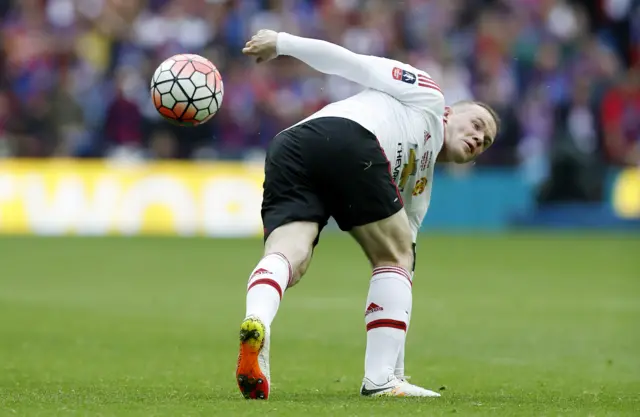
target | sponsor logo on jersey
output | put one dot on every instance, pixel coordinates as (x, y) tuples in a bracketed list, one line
[(261, 271), (398, 163), (409, 169), (403, 75), (373, 307), (427, 136), (425, 161), (420, 186)]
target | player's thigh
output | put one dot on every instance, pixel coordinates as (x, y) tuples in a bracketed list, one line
[(388, 241), (293, 213), (366, 201)]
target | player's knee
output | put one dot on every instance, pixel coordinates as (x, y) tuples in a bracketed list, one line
[(295, 242), (298, 255)]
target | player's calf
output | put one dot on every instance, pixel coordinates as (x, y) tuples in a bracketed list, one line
[(295, 242), (387, 242), (287, 255)]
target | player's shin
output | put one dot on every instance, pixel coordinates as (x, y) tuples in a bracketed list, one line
[(386, 318), (266, 286), (399, 371)]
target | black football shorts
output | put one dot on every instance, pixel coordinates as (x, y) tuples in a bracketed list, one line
[(327, 167)]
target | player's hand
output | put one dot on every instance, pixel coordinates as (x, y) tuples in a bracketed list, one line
[(262, 45)]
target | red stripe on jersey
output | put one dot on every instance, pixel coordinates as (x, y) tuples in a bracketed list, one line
[(425, 81), (394, 324), (266, 281), (424, 77), (428, 81), (429, 85)]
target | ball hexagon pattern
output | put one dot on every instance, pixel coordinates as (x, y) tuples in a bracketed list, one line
[(187, 89)]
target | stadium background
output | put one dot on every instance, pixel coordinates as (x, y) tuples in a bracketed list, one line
[(564, 76), (513, 315)]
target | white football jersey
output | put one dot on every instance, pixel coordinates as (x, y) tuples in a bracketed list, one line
[(402, 106)]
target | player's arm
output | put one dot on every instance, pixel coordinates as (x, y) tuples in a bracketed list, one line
[(392, 77)]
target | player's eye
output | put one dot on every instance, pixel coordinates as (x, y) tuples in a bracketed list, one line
[(476, 125)]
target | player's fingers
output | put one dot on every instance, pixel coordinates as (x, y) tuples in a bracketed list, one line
[(251, 48)]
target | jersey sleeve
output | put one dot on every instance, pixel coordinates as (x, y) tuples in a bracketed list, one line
[(407, 84)]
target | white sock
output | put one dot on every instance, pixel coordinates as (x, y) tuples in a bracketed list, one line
[(399, 371), (266, 286), (386, 317), (400, 362)]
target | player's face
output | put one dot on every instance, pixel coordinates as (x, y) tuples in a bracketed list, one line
[(471, 130)]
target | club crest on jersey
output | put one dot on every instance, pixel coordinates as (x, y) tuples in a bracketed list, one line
[(421, 184), (404, 76)]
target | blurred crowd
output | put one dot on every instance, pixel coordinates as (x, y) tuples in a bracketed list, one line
[(564, 75)]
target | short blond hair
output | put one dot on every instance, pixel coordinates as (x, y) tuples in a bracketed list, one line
[(492, 112)]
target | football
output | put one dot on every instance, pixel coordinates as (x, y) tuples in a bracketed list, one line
[(187, 89)]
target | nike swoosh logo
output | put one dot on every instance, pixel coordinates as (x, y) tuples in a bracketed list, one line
[(365, 391)]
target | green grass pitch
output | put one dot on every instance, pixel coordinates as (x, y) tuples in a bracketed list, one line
[(520, 324)]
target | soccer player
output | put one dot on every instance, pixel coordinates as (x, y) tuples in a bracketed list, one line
[(368, 162)]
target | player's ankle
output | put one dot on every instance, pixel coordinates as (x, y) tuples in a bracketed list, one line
[(378, 378), (255, 316)]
